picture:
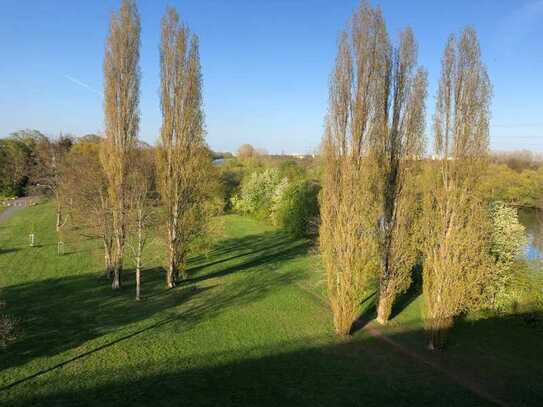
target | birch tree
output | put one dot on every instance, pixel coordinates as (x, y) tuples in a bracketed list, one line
[(141, 209), (121, 93), (86, 200), (48, 169)]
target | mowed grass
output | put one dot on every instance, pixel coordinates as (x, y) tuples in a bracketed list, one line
[(250, 328)]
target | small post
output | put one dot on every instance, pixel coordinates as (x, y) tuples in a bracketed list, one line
[(60, 248), (32, 239)]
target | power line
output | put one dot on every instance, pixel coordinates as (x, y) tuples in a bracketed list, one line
[(512, 125)]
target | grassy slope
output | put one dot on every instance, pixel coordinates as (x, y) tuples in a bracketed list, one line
[(250, 328)]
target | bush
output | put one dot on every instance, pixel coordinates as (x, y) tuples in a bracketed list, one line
[(230, 182), (508, 239), (298, 210), (257, 193), (524, 291), (291, 170)]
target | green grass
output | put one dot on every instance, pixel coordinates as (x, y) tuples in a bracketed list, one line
[(251, 327)]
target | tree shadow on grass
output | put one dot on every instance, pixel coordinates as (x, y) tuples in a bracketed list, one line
[(413, 292), (367, 314), (253, 251), (6, 251), (60, 314), (369, 303), (362, 371)]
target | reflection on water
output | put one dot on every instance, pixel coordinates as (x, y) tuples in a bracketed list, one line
[(532, 219)]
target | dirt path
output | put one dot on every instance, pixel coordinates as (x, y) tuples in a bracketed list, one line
[(454, 376)]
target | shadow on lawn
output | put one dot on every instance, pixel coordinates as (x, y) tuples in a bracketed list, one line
[(269, 249), (369, 303), (5, 251), (479, 369), (61, 314)]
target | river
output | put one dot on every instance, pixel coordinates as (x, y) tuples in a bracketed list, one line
[(532, 219)]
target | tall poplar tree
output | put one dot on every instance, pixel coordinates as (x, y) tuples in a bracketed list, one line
[(183, 162), (121, 107), (349, 208), (455, 215), (399, 146)]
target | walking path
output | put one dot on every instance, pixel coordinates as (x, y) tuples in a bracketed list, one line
[(15, 206), (454, 376)]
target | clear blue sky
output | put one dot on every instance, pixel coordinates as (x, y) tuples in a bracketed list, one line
[(266, 64)]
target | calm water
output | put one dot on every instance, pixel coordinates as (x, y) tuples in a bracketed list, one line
[(532, 220)]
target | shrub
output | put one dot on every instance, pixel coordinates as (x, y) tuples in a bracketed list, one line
[(257, 193), (230, 182), (508, 239), (291, 170), (298, 210), (524, 290)]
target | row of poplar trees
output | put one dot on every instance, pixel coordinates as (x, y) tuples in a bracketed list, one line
[(176, 171), (384, 208)]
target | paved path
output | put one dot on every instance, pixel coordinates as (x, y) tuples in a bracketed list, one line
[(15, 206)]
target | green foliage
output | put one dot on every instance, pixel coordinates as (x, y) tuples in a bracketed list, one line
[(508, 239), (291, 169), (257, 193), (298, 209), (508, 234), (231, 173), (524, 290), (15, 164), (278, 198), (519, 188)]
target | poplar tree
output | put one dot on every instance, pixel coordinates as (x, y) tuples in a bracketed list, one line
[(456, 238), (121, 101), (183, 162), (349, 208), (399, 146)]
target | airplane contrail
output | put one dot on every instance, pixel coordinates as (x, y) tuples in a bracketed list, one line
[(83, 85)]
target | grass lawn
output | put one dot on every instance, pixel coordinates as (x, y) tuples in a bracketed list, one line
[(250, 328)]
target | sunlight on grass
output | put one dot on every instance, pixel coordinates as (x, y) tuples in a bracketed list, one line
[(250, 324)]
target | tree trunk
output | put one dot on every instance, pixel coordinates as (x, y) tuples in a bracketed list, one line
[(108, 260), (116, 282), (139, 254), (117, 269), (138, 280), (438, 333), (181, 268), (171, 273), (59, 218), (386, 298), (118, 260), (384, 308)]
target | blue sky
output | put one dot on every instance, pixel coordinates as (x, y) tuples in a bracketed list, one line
[(266, 64)]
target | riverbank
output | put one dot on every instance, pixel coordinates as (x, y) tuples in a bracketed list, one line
[(532, 220)]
